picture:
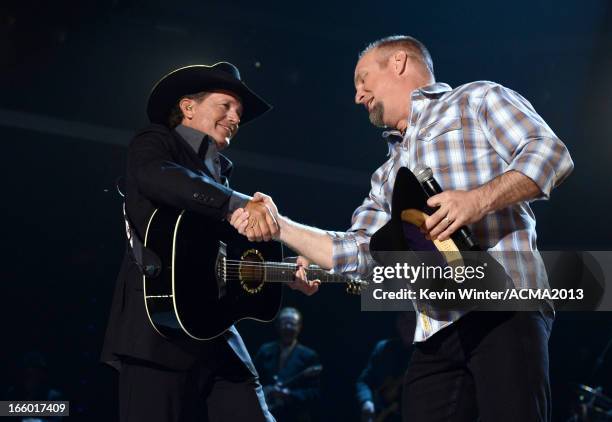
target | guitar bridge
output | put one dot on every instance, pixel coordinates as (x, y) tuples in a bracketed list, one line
[(221, 269)]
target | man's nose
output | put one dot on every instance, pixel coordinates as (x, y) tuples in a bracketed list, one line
[(358, 96), (234, 118)]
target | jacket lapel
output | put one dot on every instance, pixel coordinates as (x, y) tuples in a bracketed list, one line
[(198, 163)]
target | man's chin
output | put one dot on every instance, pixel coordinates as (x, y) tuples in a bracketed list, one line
[(377, 120), (376, 115)]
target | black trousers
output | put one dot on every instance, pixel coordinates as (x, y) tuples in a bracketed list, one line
[(218, 388), (487, 366)]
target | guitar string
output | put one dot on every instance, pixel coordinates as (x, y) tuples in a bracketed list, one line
[(269, 265), (229, 277), (273, 267), (279, 266), (327, 276), (282, 281), (272, 264), (235, 276), (284, 264), (278, 269), (289, 274), (238, 264), (274, 270)]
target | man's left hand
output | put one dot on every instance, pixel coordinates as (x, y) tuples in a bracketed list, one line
[(456, 208), (300, 280)]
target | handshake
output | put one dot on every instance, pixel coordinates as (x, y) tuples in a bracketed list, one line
[(258, 220)]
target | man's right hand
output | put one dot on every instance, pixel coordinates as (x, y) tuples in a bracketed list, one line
[(256, 221)]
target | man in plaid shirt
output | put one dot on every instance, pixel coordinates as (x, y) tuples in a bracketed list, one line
[(492, 154)]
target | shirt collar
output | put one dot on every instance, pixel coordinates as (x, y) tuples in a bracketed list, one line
[(394, 137), (193, 136), (433, 90)]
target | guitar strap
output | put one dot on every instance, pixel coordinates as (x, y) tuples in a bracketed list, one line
[(145, 259)]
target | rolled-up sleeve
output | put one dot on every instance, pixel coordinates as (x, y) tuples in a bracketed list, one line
[(351, 249), (522, 138)]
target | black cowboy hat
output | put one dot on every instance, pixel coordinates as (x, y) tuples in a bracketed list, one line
[(197, 78)]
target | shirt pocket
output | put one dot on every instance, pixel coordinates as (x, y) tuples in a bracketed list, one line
[(440, 144)]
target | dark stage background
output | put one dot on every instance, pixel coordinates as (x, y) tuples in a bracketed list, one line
[(74, 78)]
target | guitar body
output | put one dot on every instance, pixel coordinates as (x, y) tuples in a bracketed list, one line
[(209, 277)]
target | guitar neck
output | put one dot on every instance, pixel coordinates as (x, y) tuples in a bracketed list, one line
[(284, 272), (308, 372), (314, 273)]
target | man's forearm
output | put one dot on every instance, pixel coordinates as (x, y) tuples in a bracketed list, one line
[(507, 189), (313, 243)]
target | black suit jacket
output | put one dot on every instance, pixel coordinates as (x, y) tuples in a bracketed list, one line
[(163, 170)]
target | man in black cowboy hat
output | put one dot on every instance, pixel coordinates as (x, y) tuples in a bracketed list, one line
[(195, 111)]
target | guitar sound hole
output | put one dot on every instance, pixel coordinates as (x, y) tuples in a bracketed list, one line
[(252, 272)]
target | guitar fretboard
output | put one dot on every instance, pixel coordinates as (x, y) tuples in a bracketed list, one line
[(283, 272), (279, 272)]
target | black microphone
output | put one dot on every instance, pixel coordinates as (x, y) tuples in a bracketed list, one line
[(463, 235)]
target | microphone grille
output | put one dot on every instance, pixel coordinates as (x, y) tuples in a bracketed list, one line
[(422, 172)]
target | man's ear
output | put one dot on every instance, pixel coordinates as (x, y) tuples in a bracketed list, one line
[(186, 106), (399, 62)]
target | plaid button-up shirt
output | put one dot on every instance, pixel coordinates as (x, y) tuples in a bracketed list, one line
[(468, 136)]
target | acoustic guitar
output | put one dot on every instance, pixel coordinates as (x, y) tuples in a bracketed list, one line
[(211, 277)]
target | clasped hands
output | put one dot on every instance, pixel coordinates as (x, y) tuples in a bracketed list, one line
[(259, 221)]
